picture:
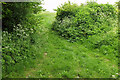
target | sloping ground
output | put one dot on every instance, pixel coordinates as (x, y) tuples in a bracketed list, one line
[(61, 58)]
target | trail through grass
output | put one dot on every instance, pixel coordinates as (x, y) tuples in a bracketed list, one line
[(59, 58)]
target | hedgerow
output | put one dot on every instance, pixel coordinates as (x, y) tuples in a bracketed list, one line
[(91, 24), (18, 35), (75, 22)]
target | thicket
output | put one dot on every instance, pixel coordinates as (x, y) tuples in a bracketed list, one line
[(19, 27), (92, 24), (14, 13), (75, 22)]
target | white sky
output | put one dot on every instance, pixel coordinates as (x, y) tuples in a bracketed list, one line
[(49, 5)]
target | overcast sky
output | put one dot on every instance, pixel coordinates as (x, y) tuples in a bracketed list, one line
[(49, 5)]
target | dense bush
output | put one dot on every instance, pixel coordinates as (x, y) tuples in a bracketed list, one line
[(14, 13), (66, 10), (16, 47), (76, 22), (92, 24), (19, 27)]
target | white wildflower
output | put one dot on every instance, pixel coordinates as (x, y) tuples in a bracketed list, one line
[(117, 73), (113, 76), (6, 47), (10, 49)]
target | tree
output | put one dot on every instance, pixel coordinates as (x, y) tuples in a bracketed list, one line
[(14, 13)]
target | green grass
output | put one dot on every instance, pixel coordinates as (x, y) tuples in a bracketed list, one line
[(65, 59)]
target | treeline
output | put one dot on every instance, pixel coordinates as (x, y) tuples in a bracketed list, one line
[(19, 25)]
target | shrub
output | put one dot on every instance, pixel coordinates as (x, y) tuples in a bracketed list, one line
[(77, 22), (66, 10), (19, 27), (16, 47), (14, 13), (106, 9)]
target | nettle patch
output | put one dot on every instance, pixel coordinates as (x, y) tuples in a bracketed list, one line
[(75, 22)]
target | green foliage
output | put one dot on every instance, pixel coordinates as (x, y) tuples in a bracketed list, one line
[(94, 26), (75, 22), (66, 10), (106, 9), (19, 28), (16, 47), (95, 56), (68, 60), (107, 44), (14, 13)]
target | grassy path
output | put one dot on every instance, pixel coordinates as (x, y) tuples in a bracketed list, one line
[(59, 58)]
